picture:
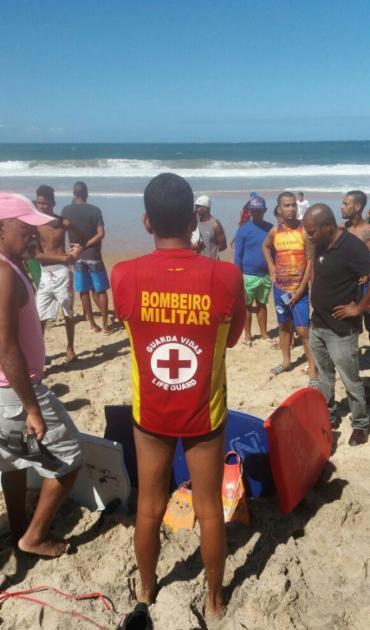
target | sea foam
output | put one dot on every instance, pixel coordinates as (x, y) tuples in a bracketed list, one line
[(122, 168)]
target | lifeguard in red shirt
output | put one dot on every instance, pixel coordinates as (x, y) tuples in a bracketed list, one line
[(181, 311)]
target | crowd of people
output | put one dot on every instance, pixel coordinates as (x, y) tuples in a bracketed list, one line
[(181, 311)]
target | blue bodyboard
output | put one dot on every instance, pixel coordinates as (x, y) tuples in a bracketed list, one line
[(245, 434)]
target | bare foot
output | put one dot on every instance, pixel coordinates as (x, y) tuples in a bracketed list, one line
[(50, 547), (95, 328), (107, 331), (148, 595), (71, 355), (215, 608)]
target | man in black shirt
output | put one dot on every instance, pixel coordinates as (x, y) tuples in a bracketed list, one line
[(341, 260), (90, 273)]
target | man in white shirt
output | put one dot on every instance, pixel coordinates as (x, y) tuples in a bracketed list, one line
[(302, 206)]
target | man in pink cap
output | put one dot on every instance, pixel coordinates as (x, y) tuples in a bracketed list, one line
[(27, 407)]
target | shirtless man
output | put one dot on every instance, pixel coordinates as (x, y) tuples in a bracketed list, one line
[(56, 283), (353, 205)]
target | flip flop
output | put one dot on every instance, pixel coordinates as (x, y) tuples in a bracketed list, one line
[(108, 332), (180, 513), (278, 369), (138, 619)]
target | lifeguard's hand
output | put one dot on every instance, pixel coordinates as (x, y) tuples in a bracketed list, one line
[(35, 425), (347, 310)]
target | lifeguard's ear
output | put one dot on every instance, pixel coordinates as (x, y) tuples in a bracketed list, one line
[(147, 225)]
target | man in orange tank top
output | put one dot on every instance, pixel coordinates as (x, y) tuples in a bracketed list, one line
[(290, 270)]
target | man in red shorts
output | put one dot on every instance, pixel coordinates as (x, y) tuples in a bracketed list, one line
[(181, 311)]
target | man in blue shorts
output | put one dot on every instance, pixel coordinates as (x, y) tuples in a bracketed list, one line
[(251, 261), (288, 255), (90, 273)]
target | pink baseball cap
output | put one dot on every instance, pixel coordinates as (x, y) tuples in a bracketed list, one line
[(14, 206)]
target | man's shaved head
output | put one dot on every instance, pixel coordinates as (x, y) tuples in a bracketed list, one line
[(320, 224), (321, 215)]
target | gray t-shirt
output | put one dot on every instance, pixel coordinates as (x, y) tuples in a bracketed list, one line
[(86, 217), (207, 231)]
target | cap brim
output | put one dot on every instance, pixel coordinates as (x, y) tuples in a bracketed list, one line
[(36, 218)]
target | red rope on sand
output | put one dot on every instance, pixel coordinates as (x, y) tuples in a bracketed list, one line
[(23, 595)]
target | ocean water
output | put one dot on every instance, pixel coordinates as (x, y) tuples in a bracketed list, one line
[(117, 174)]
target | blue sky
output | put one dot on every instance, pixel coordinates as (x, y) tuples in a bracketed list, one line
[(171, 71)]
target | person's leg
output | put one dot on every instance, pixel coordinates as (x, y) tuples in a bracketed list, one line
[(248, 323), (262, 320), (304, 332), (102, 299), (284, 341), (86, 305), (284, 320), (70, 332), (344, 352), (154, 461), (14, 484), (301, 320), (249, 290), (100, 282), (35, 540), (325, 368), (262, 296), (205, 460), (83, 284)]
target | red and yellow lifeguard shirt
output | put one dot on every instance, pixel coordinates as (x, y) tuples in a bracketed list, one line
[(181, 311)]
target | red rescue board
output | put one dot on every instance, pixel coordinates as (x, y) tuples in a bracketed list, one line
[(300, 438)]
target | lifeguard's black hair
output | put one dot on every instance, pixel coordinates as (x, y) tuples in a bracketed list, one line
[(47, 192), (169, 204)]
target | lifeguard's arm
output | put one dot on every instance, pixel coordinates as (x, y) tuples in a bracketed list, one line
[(220, 235), (267, 252), (238, 316), (12, 359), (238, 250)]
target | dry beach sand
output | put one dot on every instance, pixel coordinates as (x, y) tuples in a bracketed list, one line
[(309, 569)]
